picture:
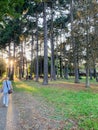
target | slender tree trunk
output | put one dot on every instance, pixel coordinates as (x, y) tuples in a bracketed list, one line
[(26, 69), (31, 66), (21, 61), (22, 57), (90, 73), (9, 64), (87, 77), (87, 48), (13, 65), (61, 68), (23, 68), (66, 70), (74, 46), (57, 58), (53, 77), (60, 57), (41, 63), (87, 61), (37, 62), (95, 73), (45, 81)]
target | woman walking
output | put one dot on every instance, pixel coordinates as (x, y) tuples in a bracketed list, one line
[(7, 85)]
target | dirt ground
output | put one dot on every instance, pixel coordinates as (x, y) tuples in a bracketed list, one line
[(27, 112), (77, 86)]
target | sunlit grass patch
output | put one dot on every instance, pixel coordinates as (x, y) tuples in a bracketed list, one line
[(21, 86), (80, 106)]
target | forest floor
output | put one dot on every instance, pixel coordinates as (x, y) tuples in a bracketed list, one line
[(27, 113), (31, 112)]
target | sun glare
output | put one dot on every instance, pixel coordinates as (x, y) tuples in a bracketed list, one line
[(6, 60), (11, 62)]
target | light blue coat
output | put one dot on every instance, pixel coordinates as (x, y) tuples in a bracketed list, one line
[(5, 88)]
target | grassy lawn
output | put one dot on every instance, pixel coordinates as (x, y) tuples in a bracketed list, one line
[(81, 107), (82, 80)]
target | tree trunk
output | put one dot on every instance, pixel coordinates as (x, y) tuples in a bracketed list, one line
[(21, 61), (66, 71), (87, 61), (95, 74), (41, 63), (9, 65), (87, 77), (37, 63), (13, 66), (87, 48), (75, 63), (61, 67), (90, 73), (57, 58), (52, 47), (45, 81), (31, 66)]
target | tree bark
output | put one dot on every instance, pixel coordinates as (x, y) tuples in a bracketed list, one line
[(75, 63), (66, 71), (45, 81), (87, 48), (9, 65), (37, 62), (53, 77), (31, 66)]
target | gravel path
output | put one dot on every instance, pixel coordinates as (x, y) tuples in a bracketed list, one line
[(27, 112)]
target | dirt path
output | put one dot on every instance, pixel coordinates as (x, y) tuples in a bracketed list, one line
[(8, 115), (27, 112)]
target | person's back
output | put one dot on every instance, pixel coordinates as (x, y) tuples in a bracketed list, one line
[(6, 86)]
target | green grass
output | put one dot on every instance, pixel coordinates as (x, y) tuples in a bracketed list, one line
[(83, 80), (79, 106)]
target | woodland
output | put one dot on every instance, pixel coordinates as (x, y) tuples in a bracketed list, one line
[(49, 39)]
